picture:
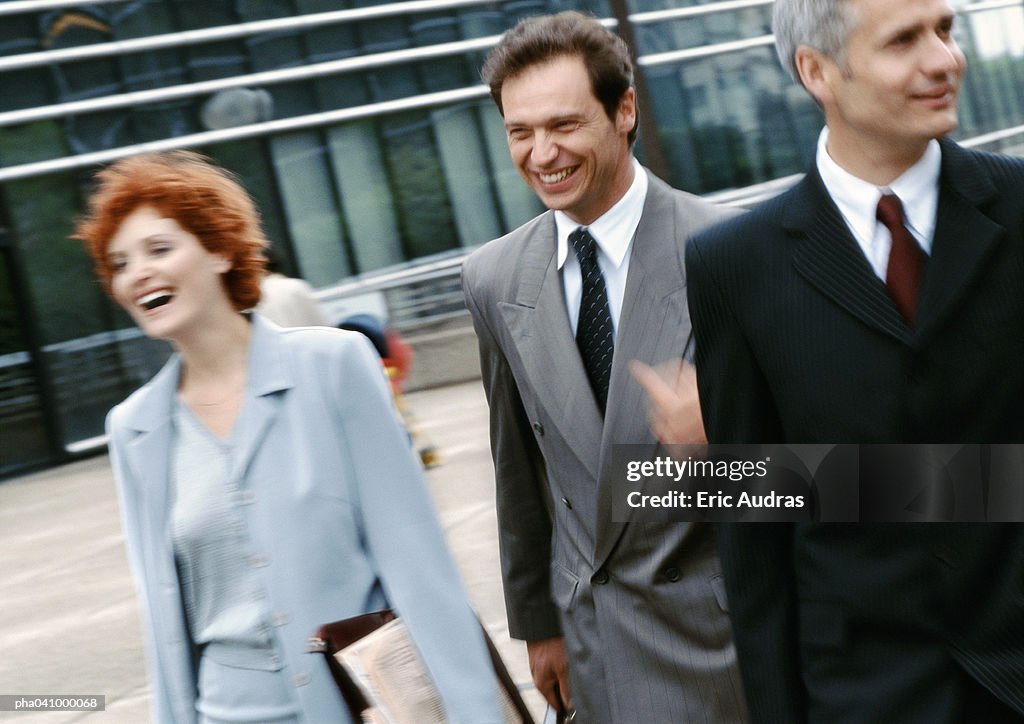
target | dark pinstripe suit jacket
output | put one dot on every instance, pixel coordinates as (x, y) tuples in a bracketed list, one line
[(797, 341)]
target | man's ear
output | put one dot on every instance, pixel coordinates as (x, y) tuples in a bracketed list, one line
[(625, 115), (816, 72)]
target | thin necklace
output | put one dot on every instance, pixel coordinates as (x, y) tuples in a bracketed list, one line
[(233, 391)]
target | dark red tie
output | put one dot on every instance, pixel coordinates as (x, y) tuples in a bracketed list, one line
[(906, 259)]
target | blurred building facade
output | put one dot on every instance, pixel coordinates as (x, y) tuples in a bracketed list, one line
[(365, 135)]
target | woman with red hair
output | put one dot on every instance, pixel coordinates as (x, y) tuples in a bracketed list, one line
[(267, 486)]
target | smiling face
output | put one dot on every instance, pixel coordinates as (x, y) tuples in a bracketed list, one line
[(898, 85), (163, 276), (574, 157)]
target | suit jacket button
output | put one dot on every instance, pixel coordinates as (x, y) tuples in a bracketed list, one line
[(601, 577), (567, 502), (538, 428), (672, 574)]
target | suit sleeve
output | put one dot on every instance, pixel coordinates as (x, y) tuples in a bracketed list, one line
[(522, 492), (406, 544), (735, 399), (757, 558)]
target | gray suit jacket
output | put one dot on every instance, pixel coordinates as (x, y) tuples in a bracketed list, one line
[(641, 606), (332, 494)]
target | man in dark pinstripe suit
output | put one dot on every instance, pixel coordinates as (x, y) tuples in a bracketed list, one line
[(881, 300)]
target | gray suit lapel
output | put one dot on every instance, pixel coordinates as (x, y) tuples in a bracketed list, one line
[(653, 328), (539, 328)]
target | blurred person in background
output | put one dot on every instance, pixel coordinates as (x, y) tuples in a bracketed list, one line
[(266, 485), (287, 301)]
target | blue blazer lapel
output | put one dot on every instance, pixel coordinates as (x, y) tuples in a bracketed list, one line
[(965, 238), (269, 374), (828, 257), (148, 456), (539, 328)]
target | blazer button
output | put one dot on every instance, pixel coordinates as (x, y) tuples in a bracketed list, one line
[(600, 578), (538, 428), (672, 574), (568, 503)]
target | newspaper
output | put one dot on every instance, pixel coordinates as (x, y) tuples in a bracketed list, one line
[(387, 667)]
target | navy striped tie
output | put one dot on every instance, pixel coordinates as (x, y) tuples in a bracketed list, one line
[(594, 331)]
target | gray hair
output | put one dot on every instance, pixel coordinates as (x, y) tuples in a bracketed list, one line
[(824, 25)]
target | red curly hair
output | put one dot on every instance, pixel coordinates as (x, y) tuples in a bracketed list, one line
[(205, 200)]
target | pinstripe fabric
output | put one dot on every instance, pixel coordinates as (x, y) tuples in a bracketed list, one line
[(641, 606), (797, 341)]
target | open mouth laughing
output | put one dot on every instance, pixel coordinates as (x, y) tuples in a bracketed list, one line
[(154, 300)]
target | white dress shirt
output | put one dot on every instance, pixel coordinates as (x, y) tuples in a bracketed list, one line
[(917, 189), (613, 231)]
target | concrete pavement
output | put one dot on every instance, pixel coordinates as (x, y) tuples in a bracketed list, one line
[(68, 614)]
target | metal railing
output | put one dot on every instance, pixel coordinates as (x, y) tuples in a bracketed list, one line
[(366, 62), (370, 61), (19, 7), (312, 21), (228, 32)]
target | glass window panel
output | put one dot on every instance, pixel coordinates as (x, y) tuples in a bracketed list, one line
[(249, 161), (366, 195), (481, 22), (85, 78), (332, 41), (22, 88), (70, 312), (24, 438), (264, 9), (466, 172), (307, 194), (342, 91), (319, 6), (204, 61), (64, 293), (721, 123), (425, 213), (383, 34)]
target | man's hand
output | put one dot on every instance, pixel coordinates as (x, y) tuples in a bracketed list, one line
[(674, 407), (550, 671)]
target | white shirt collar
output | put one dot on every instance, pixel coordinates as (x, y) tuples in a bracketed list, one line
[(614, 229), (857, 200)]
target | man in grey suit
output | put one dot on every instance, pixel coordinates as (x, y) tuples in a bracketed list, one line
[(625, 622)]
